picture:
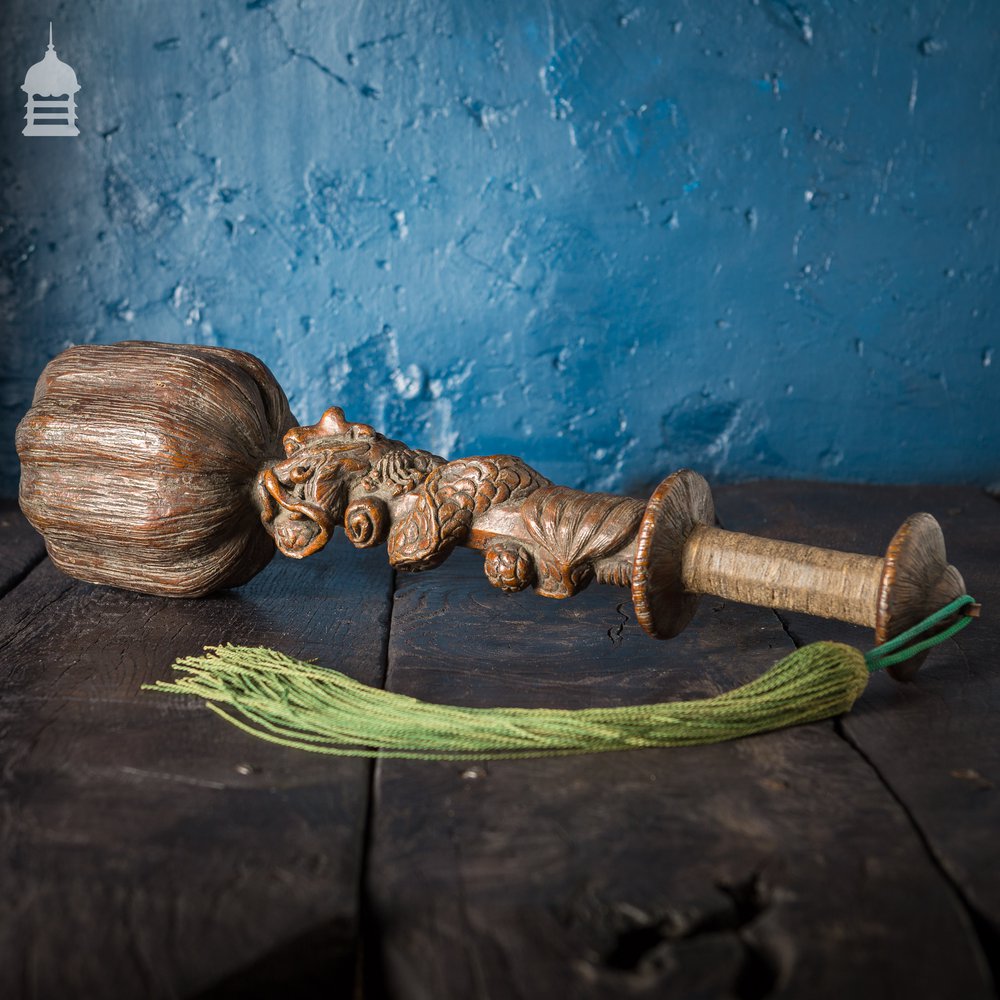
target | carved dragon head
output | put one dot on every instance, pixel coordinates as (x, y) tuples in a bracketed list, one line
[(304, 497)]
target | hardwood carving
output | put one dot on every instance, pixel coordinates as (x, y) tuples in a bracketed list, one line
[(447, 503), (136, 463), (573, 531), (159, 467)]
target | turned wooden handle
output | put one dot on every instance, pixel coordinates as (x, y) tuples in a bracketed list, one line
[(778, 574), (159, 467), (680, 553)]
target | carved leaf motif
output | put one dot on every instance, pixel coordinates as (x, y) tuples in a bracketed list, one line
[(578, 528)]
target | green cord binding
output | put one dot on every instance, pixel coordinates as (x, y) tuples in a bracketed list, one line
[(300, 705), (896, 650)]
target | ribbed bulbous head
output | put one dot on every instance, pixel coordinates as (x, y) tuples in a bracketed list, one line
[(138, 462)]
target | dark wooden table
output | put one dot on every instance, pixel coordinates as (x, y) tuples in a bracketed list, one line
[(149, 850)]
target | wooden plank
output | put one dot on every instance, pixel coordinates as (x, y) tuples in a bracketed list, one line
[(934, 742), (775, 866), (21, 547), (148, 849)]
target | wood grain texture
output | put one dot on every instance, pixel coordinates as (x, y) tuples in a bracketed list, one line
[(146, 849), (138, 460), (678, 506), (149, 850), (916, 582), (779, 574), (934, 743), (779, 866), (21, 547), (157, 467)]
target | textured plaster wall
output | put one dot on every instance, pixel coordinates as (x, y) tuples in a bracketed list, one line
[(759, 238)]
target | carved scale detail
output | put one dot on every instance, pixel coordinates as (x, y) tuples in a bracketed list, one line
[(559, 540), (531, 532)]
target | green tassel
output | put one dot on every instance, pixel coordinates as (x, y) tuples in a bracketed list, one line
[(296, 704), (300, 705)]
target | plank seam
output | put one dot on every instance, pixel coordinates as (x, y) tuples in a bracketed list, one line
[(987, 936), (797, 640), (19, 578), (367, 925)]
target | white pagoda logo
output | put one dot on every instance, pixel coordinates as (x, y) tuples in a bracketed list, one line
[(51, 87)]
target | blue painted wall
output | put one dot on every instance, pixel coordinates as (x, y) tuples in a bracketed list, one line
[(759, 238)]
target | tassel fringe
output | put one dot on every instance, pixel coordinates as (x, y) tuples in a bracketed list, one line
[(300, 705)]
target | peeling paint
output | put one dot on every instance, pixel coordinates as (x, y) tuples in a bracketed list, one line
[(757, 239)]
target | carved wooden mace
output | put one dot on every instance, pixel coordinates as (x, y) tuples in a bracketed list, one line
[(170, 469)]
